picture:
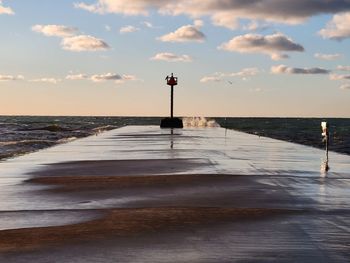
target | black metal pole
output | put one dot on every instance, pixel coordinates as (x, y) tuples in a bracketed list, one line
[(172, 102)]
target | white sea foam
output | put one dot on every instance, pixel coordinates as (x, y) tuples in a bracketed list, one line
[(103, 128), (66, 140), (25, 142), (199, 122)]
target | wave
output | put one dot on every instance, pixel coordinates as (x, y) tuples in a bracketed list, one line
[(199, 122), (12, 149), (50, 128), (66, 140), (36, 142), (26, 142), (22, 135), (103, 128)]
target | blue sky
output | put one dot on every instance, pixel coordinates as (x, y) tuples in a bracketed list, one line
[(110, 57)]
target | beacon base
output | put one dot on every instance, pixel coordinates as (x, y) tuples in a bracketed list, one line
[(171, 123)]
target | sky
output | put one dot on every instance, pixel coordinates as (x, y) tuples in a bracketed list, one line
[(238, 58)]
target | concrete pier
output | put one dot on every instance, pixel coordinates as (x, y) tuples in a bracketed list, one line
[(145, 194)]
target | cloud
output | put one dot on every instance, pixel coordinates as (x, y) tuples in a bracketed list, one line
[(94, 8), (278, 56), (118, 79), (84, 43), (188, 33), (147, 24), (272, 45), (70, 41), (129, 77), (47, 80), (327, 56), (6, 10), (10, 78), (282, 69), (128, 29), (55, 30), (338, 28), (105, 77), (343, 68), (244, 74), (210, 79), (345, 86), (339, 77), (108, 28), (97, 78), (225, 19), (170, 57), (198, 23), (224, 12), (77, 77), (134, 7), (256, 26), (281, 11)]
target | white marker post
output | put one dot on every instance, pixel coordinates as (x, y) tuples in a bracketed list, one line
[(325, 135)]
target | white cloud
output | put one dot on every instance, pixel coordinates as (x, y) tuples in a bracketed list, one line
[(327, 56), (225, 19), (134, 7), (198, 23), (210, 79), (128, 29), (244, 74), (338, 28), (256, 26), (77, 77), (84, 43), (70, 41), (188, 33), (171, 57), (343, 68), (47, 80), (279, 56), (282, 69), (108, 28), (129, 77), (6, 10), (339, 77), (147, 24), (10, 78), (91, 8), (345, 86), (55, 30), (281, 11), (272, 45), (118, 79), (105, 77)]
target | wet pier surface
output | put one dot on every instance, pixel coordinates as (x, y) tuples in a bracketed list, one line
[(142, 194)]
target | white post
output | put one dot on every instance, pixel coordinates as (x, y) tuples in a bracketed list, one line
[(325, 135)]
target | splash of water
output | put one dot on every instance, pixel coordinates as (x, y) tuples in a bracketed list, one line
[(199, 122)]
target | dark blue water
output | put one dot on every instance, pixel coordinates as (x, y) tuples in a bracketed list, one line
[(21, 135), (306, 131)]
